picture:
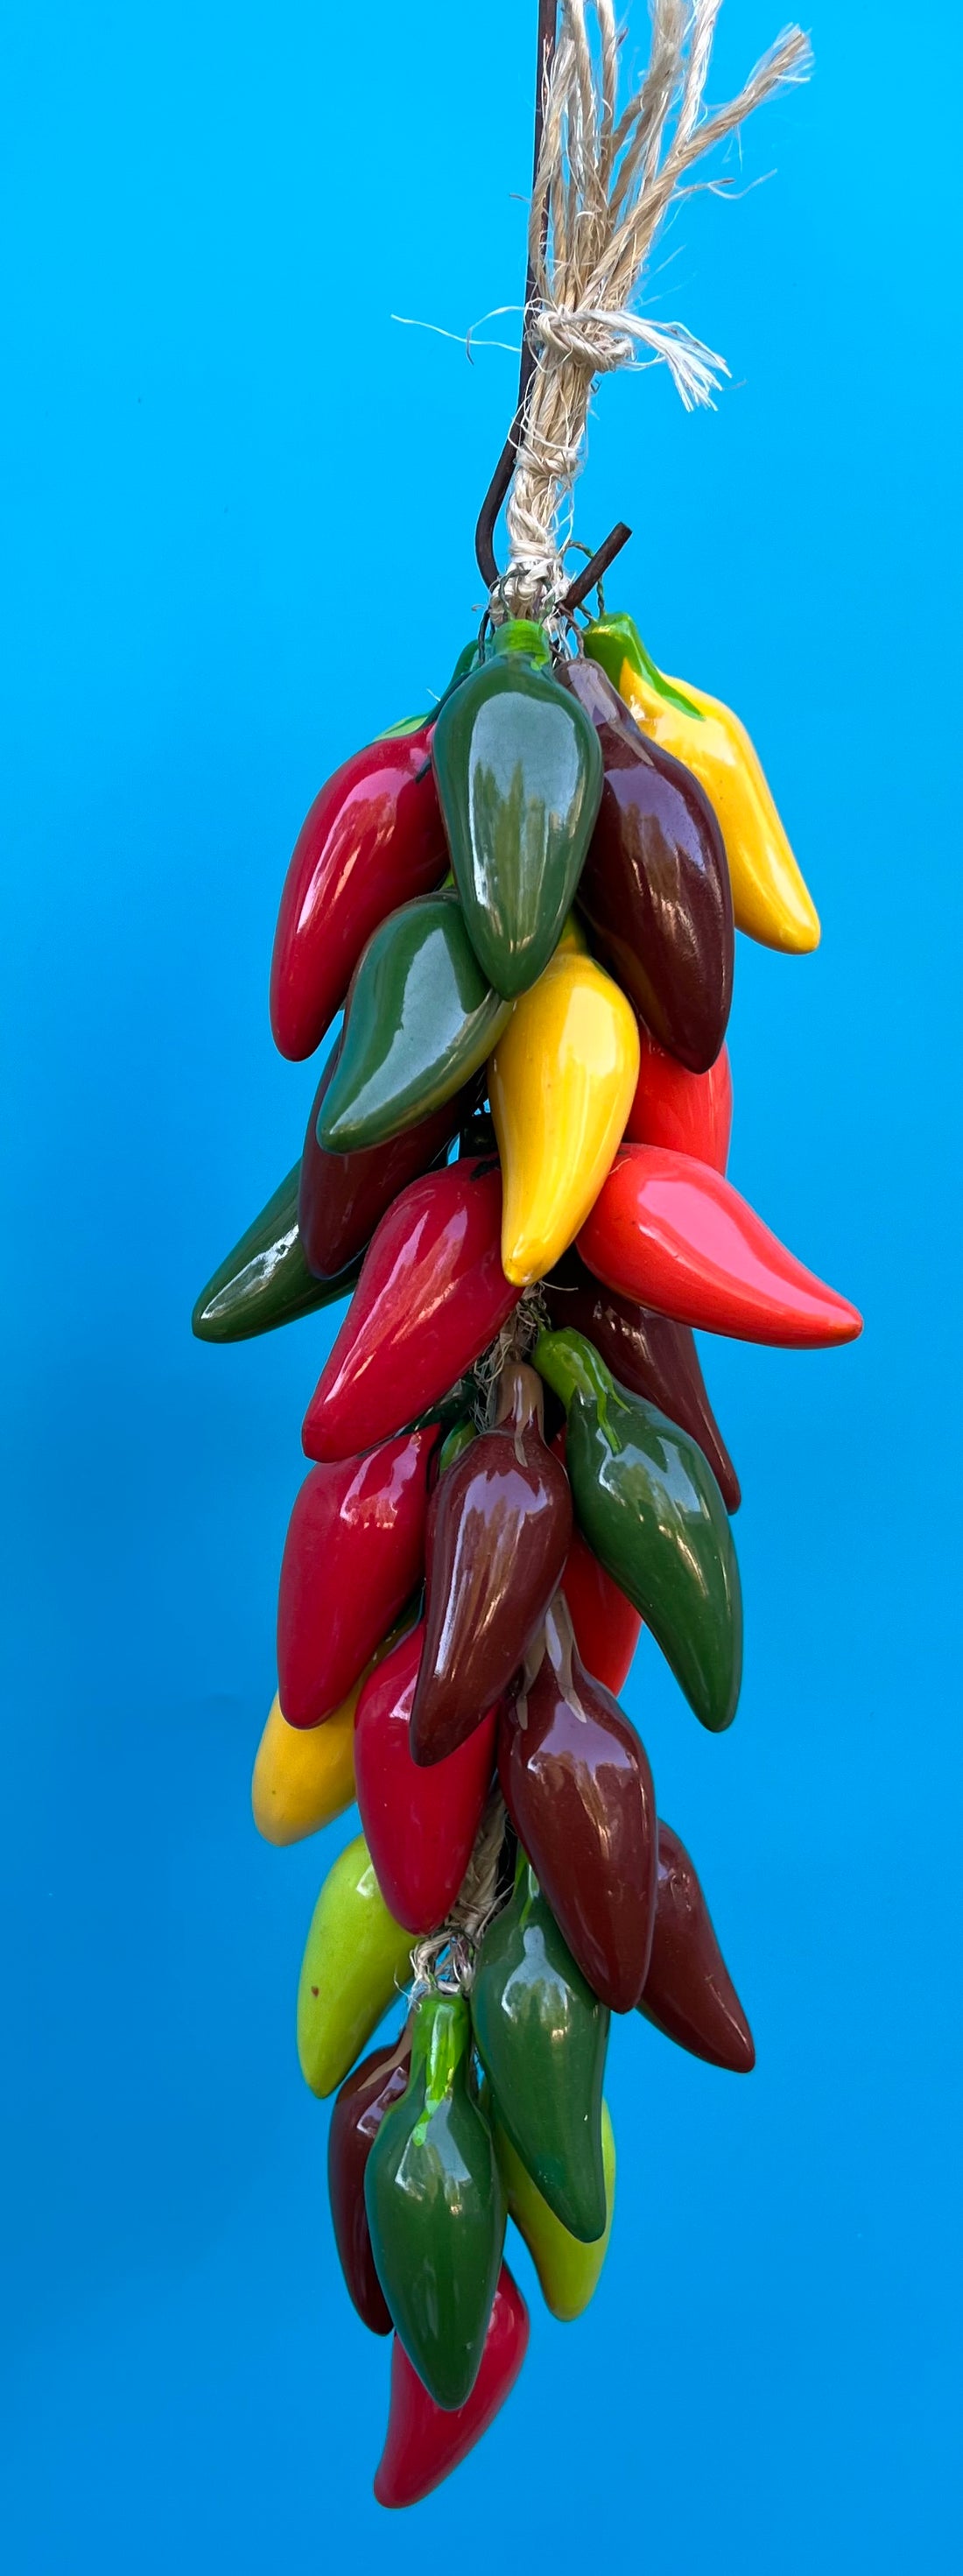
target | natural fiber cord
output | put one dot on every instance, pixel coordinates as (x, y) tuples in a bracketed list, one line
[(604, 184)]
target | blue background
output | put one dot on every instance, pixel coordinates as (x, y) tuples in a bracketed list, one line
[(238, 504)]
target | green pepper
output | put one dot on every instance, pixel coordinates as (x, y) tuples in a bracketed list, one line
[(420, 1020), (435, 2206), (519, 774), (542, 2035), (265, 1281), (460, 1437), (649, 1506)]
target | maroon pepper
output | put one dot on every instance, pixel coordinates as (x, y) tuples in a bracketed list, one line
[(655, 886), (688, 1992), (578, 1788), (342, 1197), (365, 2096), (499, 1529)]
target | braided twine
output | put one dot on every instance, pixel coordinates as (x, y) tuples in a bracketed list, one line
[(603, 186)]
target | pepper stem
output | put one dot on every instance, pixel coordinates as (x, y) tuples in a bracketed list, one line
[(572, 1366)]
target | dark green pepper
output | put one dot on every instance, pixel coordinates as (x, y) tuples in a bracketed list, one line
[(435, 2206), (542, 2035), (419, 1021), (649, 1505), (519, 774), (265, 1281)]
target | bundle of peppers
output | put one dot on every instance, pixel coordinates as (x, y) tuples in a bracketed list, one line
[(524, 903)]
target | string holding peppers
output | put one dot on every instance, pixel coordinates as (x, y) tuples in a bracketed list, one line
[(515, 1169)]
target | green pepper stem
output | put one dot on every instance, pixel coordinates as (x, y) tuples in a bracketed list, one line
[(615, 640), (440, 2040), (572, 1366)]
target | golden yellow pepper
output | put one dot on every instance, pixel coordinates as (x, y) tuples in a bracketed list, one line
[(769, 896), (561, 1084), (568, 2271), (303, 1775)]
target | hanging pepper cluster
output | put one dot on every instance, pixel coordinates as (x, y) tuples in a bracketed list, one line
[(524, 904)]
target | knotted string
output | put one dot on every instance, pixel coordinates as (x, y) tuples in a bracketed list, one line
[(604, 184)]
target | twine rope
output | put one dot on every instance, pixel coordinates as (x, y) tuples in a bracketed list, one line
[(604, 184)]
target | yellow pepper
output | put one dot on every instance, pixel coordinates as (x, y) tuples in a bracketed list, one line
[(561, 1083), (303, 1775), (769, 896), (356, 1959), (568, 2271)]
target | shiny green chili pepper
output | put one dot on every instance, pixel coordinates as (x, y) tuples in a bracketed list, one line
[(420, 1020), (542, 2035), (519, 774), (265, 1281), (649, 1506), (436, 2208)]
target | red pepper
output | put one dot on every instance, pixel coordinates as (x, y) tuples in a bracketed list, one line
[(675, 1235), (353, 1556), (425, 2442), (419, 1824), (374, 838), (431, 1296), (691, 1113), (365, 2096), (605, 1623), (342, 1197)]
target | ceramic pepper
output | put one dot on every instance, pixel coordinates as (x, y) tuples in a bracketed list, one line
[(356, 2118), (519, 776), (689, 1112), (435, 2205), (606, 1623), (342, 1197), (655, 886), (500, 1525), (649, 1354), (674, 1234), (688, 1992), (266, 1280), (431, 1298), (303, 1776), (541, 2035), (577, 1785), (419, 1823), (425, 2442), (561, 1082), (373, 839), (353, 1555), (356, 1960), (648, 1504), (568, 2272), (770, 899), (420, 1020)]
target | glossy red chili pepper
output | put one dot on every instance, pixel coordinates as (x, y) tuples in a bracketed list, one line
[(365, 2096), (419, 1824), (650, 1355), (605, 1623), (425, 2442), (373, 839), (342, 1197), (431, 1296), (676, 1235), (576, 1781), (353, 1556), (688, 1992), (691, 1113), (499, 1530)]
